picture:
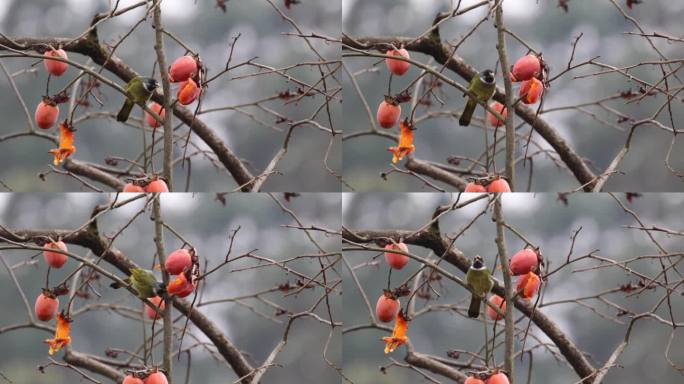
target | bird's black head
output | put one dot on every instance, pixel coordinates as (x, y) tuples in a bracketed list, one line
[(477, 262), (487, 76), (150, 84)]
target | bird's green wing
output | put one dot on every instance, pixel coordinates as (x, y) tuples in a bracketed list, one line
[(144, 282)]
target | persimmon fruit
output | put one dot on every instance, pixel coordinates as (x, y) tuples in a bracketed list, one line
[(528, 285), (388, 113), (130, 187), (46, 307), (499, 302), (180, 286), (184, 68), (526, 68), (46, 114), (129, 379), (493, 120), (159, 303), (398, 67), (188, 92), (498, 185), (498, 378), (54, 67), (524, 261), (156, 108), (396, 260), (156, 378), (55, 259), (531, 90), (473, 380), (178, 260), (386, 308), (156, 186), (474, 187)]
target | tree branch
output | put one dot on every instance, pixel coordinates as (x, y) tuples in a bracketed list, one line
[(161, 254), (166, 104), (84, 169), (508, 288), (508, 87), (82, 360)]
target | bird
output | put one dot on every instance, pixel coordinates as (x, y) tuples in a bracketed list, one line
[(138, 91), (143, 282), (483, 86), (478, 280)]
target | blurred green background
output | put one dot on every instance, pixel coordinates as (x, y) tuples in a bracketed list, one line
[(206, 223), (548, 29), (548, 223), (209, 31)]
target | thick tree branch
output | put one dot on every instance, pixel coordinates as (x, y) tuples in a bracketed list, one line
[(166, 87), (82, 360), (425, 168), (508, 87), (422, 361), (509, 352), (84, 169), (161, 255)]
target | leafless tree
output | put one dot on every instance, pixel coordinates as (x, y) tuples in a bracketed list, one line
[(182, 326), (185, 135), (528, 329), (527, 134)]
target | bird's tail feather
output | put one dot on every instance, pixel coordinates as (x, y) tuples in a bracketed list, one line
[(474, 308), (467, 114), (125, 111)]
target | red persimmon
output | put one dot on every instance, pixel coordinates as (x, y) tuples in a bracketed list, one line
[(159, 303), (398, 67), (396, 260), (156, 108), (493, 120), (386, 308), (46, 114), (158, 185), (473, 187), (183, 68), (178, 260), (54, 67), (388, 113), (524, 261), (55, 259), (46, 307), (498, 185), (526, 68)]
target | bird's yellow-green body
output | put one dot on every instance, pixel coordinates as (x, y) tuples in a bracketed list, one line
[(143, 282), (479, 281), (138, 91), (483, 86)]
